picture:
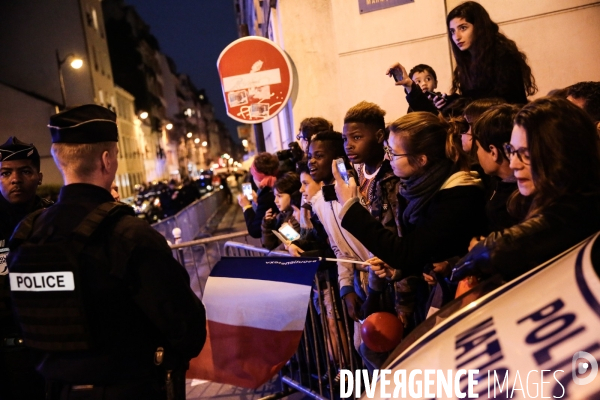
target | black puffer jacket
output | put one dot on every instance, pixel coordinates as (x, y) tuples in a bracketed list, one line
[(522, 247)]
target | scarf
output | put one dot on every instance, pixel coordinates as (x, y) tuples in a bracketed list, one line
[(420, 188), (262, 180)]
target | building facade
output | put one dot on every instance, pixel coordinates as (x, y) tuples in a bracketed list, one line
[(37, 52), (341, 55)]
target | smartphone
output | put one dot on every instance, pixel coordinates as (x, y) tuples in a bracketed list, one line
[(329, 192), (247, 190), (289, 232), (341, 166), (397, 74)]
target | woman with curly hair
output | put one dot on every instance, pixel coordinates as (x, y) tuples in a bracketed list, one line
[(488, 64)]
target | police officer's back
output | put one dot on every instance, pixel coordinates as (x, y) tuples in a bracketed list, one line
[(96, 290), (19, 178)]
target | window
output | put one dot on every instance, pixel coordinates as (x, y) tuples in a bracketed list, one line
[(95, 57), (95, 18)]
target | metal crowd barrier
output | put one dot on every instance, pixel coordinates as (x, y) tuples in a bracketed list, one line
[(192, 218), (327, 341)]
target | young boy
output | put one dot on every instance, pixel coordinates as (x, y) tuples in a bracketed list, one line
[(364, 134), (323, 149), (424, 76), (420, 80)]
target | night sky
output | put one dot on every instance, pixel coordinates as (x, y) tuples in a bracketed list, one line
[(193, 33)]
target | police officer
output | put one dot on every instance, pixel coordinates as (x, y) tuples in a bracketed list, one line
[(19, 178), (97, 292)]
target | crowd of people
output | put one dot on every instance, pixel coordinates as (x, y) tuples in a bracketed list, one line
[(473, 183)]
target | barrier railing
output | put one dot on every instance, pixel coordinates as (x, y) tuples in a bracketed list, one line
[(327, 341), (192, 219)]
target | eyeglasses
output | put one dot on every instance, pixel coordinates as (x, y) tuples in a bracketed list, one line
[(299, 136), (390, 155), (522, 153)]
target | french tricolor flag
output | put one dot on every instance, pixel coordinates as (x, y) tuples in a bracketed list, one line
[(256, 309)]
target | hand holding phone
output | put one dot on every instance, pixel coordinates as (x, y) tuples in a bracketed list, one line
[(433, 94), (247, 190), (289, 232), (341, 166), (396, 74)]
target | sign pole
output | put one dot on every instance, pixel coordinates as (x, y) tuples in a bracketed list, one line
[(259, 138)]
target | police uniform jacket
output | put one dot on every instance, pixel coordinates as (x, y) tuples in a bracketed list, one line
[(10, 216), (137, 297)]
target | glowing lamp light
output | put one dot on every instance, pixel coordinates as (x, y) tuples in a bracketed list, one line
[(143, 115), (77, 63), (189, 135), (196, 140), (204, 144), (169, 127)]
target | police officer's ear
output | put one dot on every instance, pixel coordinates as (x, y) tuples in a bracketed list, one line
[(41, 177)]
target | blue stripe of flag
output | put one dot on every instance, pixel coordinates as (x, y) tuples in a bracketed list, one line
[(300, 271)]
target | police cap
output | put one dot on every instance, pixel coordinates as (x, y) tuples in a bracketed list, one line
[(89, 123), (14, 149)]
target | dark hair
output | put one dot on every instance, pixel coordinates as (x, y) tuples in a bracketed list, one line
[(456, 107), (424, 133), (590, 92), (296, 152), (564, 92), (367, 113), (266, 163), (457, 126), (288, 183), (302, 167), (474, 110), (314, 125), (335, 140), (494, 127), (560, 136), (422, 68), (478, 67)]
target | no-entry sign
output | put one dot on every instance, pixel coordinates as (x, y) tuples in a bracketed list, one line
[(256, 78)]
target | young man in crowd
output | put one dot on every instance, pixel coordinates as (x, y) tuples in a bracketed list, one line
[(20, 177), (364, 134), (324, 148)]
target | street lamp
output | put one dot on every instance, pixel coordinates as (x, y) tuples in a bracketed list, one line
[(75, 64), (204, 144)]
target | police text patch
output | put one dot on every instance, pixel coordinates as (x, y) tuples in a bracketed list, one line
[(42, 281)]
